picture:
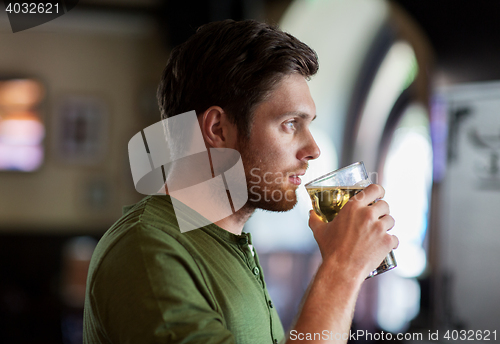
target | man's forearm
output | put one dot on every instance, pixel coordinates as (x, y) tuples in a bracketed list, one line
[(328, 306), (352, 245)]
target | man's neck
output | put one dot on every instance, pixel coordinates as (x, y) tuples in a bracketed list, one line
[(234, 223)]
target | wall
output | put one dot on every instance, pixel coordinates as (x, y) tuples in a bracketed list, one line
[(117, 58), (468, 249)]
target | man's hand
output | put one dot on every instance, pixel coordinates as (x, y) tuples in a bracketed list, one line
[(357, 239), (352, 245)]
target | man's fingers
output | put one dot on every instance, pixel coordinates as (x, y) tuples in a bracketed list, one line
[(387, 222), (395, 242), (381, 208), (314, 221), (369, 194)]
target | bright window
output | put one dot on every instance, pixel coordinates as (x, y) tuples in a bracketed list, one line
[(407, 179), (21, 128)]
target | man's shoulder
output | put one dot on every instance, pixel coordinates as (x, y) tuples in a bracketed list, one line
[(152, 212), (151, 226), (152, 220), (140, 258)]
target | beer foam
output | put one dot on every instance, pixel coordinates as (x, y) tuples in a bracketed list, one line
[(362, 184)]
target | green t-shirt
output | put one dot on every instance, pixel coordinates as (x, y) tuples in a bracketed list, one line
[(150, 283)]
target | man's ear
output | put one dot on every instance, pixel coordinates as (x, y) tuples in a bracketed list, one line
[(217, 130)]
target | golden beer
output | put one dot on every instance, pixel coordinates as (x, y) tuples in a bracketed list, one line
[(331, 192), (328, 200)]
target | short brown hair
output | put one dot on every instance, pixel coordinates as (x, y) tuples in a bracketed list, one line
[(231, 64)]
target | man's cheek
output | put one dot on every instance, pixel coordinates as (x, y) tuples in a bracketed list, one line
[(280, 178), (255, 176)]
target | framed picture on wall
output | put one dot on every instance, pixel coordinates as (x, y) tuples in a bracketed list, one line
[(81, 130)]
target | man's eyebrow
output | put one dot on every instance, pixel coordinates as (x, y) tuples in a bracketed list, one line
[(302, 115)]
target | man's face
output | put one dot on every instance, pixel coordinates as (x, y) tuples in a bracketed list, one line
[(280, 145)]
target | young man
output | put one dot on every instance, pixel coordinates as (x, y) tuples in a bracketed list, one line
[(150, 283)]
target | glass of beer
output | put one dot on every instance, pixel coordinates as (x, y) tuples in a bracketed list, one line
[(329, 193)]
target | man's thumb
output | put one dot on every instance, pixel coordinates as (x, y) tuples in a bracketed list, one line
[(315, 221)]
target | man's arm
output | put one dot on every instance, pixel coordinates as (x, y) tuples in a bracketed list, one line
[(351, 245)]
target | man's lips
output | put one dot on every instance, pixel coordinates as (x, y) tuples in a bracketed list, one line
[(295, 178)]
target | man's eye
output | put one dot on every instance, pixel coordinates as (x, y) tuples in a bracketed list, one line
[(291, 124)]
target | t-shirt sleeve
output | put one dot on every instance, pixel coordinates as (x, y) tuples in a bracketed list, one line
[(148, 289)]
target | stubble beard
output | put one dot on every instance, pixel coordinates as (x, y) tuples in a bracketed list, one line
[(267, 189)]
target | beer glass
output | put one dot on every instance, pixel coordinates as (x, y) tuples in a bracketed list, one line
[(329, 193)]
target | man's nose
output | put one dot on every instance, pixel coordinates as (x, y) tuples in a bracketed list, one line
[(311, 150)]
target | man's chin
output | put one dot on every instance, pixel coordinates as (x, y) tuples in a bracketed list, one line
[(274, 207), (282, 207), (276, 204)]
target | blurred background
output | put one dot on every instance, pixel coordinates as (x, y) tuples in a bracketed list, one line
[(412, 88)]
